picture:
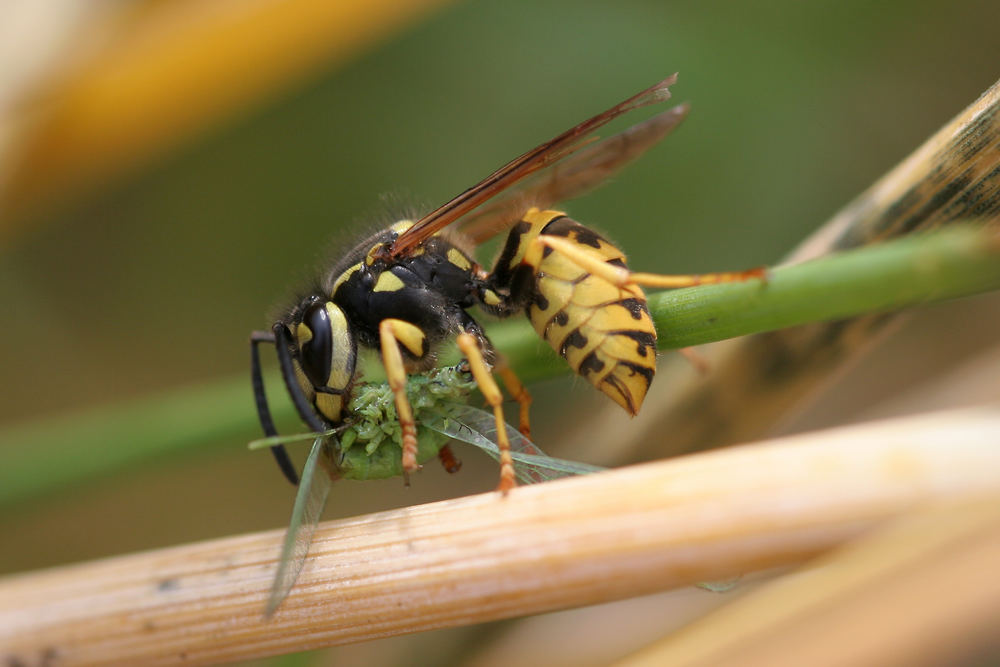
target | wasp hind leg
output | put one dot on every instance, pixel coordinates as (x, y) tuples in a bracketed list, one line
[(469, 347), (392, 334), (622, 277), (517, 391), (449, 461)]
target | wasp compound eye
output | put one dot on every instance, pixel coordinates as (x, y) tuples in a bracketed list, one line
[(316, 344)]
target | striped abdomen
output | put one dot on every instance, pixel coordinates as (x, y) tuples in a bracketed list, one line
[(604, 332)]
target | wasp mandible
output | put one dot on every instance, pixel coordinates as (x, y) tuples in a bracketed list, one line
[(409, 288)]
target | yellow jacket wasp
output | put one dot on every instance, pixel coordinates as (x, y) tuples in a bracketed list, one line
[(407, 289)]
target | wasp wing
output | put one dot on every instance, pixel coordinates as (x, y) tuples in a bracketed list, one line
[(478, 427), (584, 170), (521, 167), (309, 503)]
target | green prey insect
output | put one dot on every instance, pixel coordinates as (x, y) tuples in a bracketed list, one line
[(369, 446)]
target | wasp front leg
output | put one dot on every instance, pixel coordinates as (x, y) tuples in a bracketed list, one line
[(469, 347), (392, 334)]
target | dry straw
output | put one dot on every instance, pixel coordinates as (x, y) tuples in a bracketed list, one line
[(572, 542)]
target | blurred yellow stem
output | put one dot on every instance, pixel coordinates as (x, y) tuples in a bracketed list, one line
[(175, 69)]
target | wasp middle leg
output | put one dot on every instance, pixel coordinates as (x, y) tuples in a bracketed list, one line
[(517, 391), (469, 347)]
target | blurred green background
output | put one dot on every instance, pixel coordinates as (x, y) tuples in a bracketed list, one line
[(154, 283)]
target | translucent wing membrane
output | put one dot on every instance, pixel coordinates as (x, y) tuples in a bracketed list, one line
[(478, 427), (587, 168), (520, 168), (309, 503)]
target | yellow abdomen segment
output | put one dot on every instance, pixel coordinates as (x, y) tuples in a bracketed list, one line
[(603, 331)]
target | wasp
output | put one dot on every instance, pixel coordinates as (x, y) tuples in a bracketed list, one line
[(409, 288)]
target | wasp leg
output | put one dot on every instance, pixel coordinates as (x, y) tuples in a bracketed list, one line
[(469, 346), (699, 362), (449, 461), (263, 411), (621, 277), (392, 333), (503, 306), (517, 391)]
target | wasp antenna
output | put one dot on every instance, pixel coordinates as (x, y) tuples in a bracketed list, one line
[(263, 410)]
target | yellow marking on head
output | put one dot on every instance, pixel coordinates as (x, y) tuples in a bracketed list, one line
[(330, 406), (388, 282), (303, 334), (456, 257), (343, 361), (343, 278)]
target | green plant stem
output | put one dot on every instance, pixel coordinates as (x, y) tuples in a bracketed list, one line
[(46, 455), (918, 269)]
